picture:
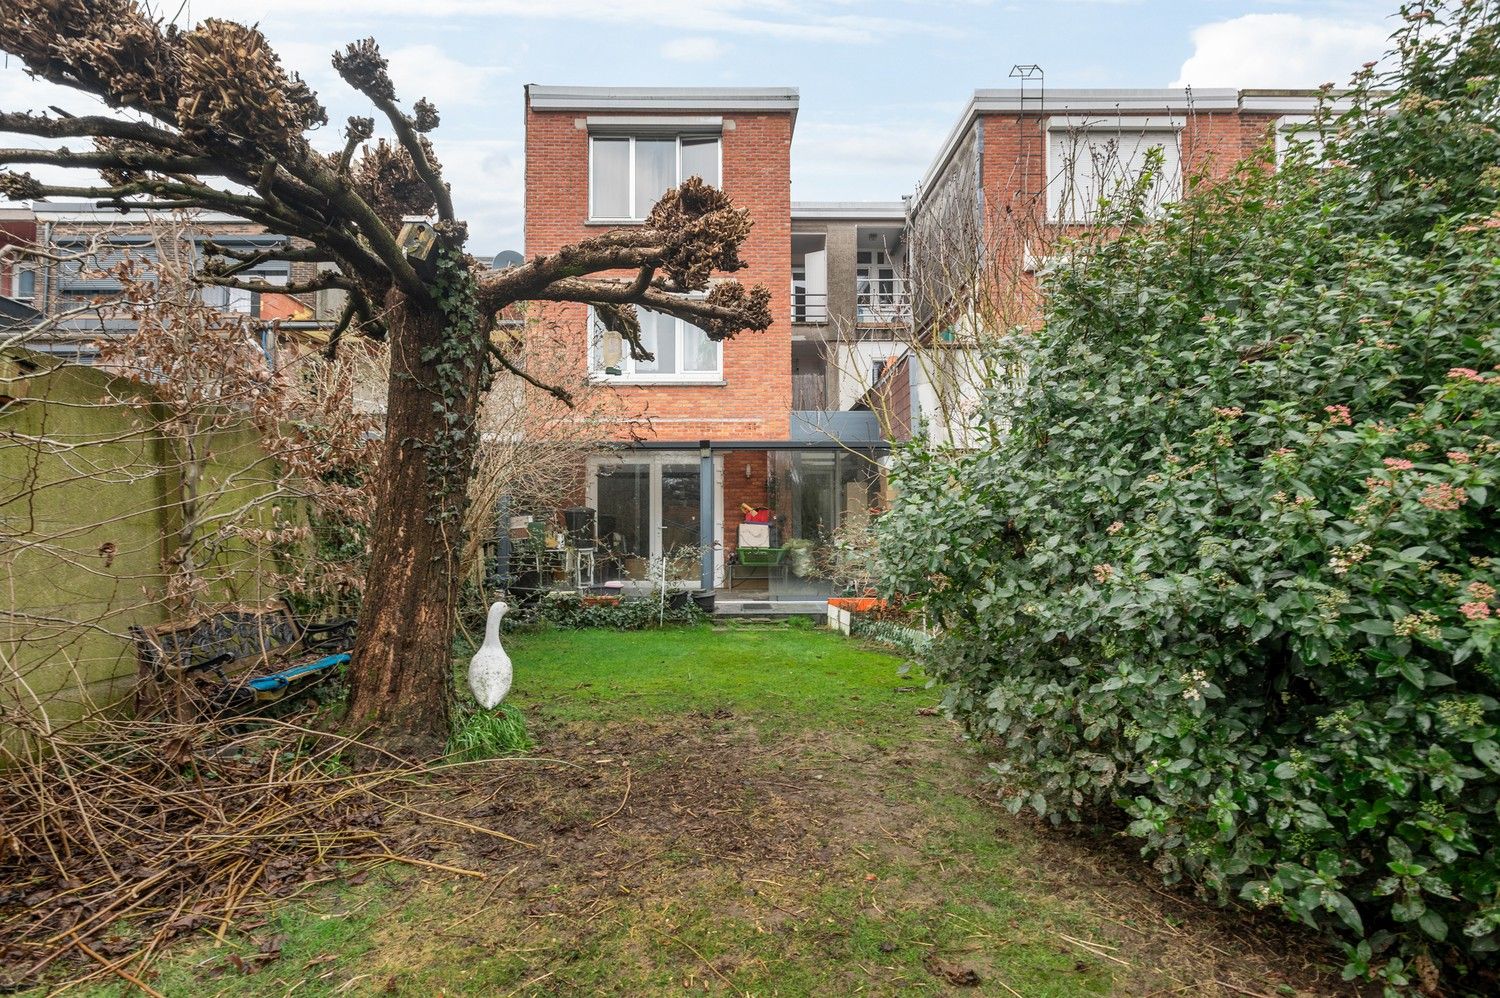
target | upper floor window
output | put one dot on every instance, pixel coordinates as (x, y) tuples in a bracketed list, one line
[(879, 296), (629, 174), (23, 282), (1301, 135), (680, 350), (1088, 162)]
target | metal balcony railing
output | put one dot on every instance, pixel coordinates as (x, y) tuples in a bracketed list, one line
[(882, 302), (809, 307)]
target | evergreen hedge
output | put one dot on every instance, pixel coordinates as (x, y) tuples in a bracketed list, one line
[(1231, 566)]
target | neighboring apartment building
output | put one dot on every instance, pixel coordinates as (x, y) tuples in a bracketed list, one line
[(76, 286), (704, 428), (1022, 169), (851, 308)]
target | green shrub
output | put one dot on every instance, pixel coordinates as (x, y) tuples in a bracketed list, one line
[(1231, 567), (489, 734), (567, 609)]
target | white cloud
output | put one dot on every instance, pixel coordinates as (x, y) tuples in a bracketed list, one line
[(1280, 50), (800, 20), (416, 70), (424, 71), (845, 161), (489, 184), (693, 49)]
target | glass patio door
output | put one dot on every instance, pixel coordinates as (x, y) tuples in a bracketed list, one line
[(623, 500), (648, 509), (678, 524)]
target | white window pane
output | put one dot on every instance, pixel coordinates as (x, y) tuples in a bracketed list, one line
[(699, 353), (700, 158), (666, 345), (609, 179), (655, 172), (650, 322), (25, 284), (1093, 164)]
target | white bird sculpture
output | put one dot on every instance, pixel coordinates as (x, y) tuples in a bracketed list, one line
[(489, 669)]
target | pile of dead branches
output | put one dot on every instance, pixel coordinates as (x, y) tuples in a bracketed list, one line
[(117, 837)]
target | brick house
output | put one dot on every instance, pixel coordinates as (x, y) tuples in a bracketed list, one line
[(703, 429), (884, 300), (1019, 170)]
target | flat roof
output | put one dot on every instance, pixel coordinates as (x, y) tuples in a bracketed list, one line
[(857, 211), (1041, 100), (542, 97), (89, 211)]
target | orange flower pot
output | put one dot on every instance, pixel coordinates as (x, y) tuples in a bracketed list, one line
[(856, 604)]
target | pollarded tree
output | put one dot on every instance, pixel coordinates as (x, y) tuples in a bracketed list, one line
[(209, 119)]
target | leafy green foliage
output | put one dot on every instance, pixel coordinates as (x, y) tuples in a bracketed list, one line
[(488, 734), (567, 609), (1231, 566)]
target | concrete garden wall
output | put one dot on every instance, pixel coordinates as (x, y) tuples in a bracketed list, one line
[(89, 502)]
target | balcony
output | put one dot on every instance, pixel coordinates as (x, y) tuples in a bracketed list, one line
[(809, 278), (809, 307), (883, 302)]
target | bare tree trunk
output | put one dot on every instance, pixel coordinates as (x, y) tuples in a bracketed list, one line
[(401, 675)]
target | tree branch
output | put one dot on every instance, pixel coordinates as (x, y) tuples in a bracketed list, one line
[(325, 281), (248, 259), (411, 141), (620, 249), (556, 391), (118, 158), (94, 125), (713, 315)]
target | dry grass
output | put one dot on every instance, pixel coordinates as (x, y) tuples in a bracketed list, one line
[(115, 838)]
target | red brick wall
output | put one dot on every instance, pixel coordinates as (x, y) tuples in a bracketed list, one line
[(1014, 175), (755, 401), (739, 489)]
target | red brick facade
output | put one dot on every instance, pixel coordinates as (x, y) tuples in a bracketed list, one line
[(738, 489), (1013, 173), (996, 167), (755, 399)]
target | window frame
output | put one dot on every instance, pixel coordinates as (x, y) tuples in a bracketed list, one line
[(1305, 131), (1115, 127), (18, 268), (629, 376), (677, 138)]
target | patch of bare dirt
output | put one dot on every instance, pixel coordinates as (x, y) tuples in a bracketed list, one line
[(625, 821)]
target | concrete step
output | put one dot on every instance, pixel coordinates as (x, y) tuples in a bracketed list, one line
[(770, 609)]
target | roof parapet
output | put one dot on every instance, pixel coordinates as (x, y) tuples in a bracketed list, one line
[(1133, 102), (542, 97)]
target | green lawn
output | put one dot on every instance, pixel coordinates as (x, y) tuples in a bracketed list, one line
[(754, 810), (777, 678)]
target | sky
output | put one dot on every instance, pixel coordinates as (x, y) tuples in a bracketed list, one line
[(882, 81)]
